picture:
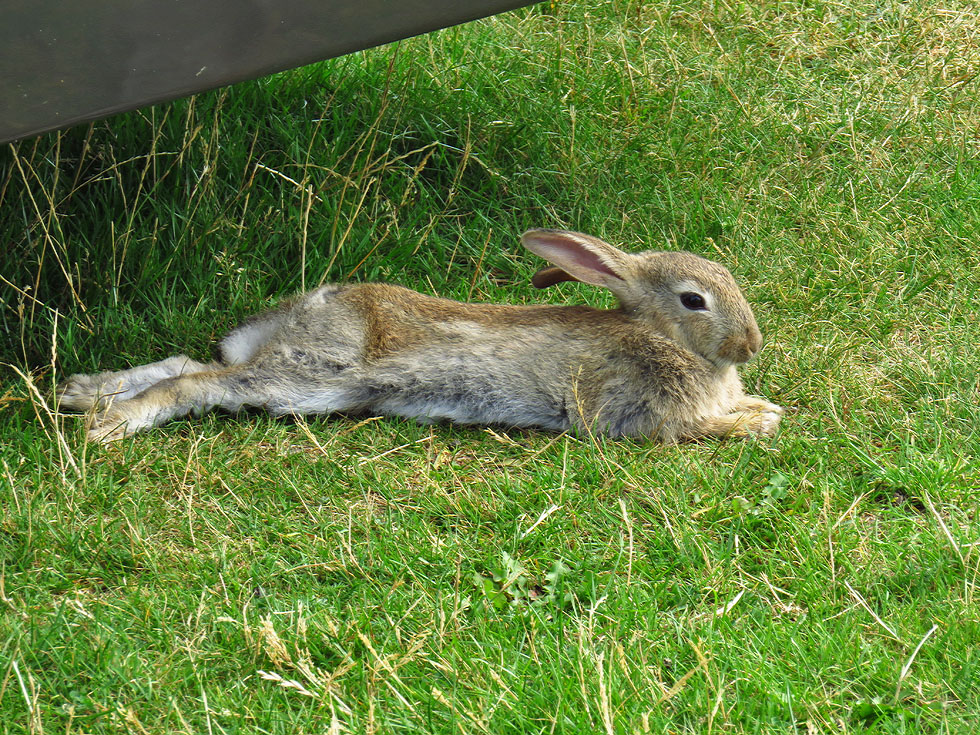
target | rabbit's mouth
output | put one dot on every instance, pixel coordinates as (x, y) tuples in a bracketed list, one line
[(738, 349)]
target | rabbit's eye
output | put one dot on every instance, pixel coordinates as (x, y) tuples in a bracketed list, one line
[(693, 301)]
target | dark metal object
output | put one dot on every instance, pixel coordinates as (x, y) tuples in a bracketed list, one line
[(65, 62)]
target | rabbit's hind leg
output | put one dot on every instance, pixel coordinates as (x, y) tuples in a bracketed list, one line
[(83, 392), (229, 388)]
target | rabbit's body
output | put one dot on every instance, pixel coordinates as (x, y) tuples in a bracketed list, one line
[(382, 349)]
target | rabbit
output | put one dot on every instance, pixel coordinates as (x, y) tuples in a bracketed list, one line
[(660, 366)]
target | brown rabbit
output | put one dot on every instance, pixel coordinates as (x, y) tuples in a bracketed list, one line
[(662, 365)]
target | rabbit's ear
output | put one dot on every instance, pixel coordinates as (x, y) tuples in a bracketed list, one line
[(550, 276), (581, 257)]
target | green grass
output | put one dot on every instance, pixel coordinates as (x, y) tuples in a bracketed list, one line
[(388, 577)]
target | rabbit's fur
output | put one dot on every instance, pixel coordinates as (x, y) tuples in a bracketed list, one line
[(654, 367)]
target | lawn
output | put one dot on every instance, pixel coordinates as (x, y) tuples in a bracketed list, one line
[(245, 574)]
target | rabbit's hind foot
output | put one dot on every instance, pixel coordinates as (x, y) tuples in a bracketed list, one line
[(110, 425), (85, 392)]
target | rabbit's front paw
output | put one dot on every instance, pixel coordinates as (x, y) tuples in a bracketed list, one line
[(768, 422), (747, 420), (754, 403), (763, 417)]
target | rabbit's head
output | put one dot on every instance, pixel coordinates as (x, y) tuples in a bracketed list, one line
[(689, 299)]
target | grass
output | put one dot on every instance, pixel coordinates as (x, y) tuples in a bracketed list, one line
[(246, 574)]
